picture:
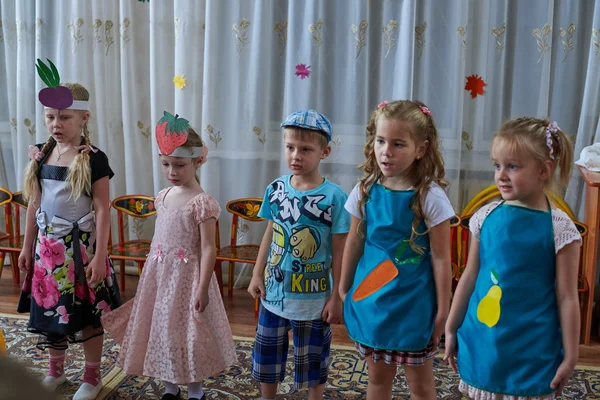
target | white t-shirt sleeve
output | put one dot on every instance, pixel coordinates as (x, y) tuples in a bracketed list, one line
[(437, 207), (352, 204)]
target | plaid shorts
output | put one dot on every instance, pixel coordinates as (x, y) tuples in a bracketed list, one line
[(410, 358), (312, 341)]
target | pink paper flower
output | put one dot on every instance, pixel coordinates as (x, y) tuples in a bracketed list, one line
[(52, 252), (303, 71), (64, 317), (44, 289), (182, 255)]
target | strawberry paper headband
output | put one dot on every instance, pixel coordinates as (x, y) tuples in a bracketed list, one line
[(55, 95), (171, 133)]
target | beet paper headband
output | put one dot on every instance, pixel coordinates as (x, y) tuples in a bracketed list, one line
[(172, 132), (56, 96)]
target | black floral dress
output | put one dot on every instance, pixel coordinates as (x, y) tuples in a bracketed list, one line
[(63, 301)]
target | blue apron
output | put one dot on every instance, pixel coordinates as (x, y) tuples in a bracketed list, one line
[(399, 315), (510, 340)]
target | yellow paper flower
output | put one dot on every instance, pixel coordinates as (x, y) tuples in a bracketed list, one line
[(179, 81)]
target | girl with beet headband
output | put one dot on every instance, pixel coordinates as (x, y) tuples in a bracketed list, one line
[(70, 280)]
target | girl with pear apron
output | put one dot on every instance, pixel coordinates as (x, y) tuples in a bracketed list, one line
[(510, 340), (400, 314)]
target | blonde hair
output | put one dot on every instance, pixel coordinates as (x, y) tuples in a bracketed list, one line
[(423, 172), (193, 140), (79, 177), (306, 134), (528, 134)]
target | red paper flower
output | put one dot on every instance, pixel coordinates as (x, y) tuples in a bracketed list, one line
[(475, 84), (303, 71)]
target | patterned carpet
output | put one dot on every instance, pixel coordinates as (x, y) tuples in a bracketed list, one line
[(347, 378)]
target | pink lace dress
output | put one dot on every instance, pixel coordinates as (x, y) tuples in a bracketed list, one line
[(160, 333)]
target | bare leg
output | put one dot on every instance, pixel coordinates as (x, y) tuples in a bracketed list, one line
[(381, 379), (420, 381), (268, 390), (316, 392)]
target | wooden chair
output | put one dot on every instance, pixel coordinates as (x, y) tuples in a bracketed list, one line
[(13, 244), (247, 209), (5, 200), (489, 194), (454, 224), (137, 206)]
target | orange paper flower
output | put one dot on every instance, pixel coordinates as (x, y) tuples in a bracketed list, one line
[(475, 84)]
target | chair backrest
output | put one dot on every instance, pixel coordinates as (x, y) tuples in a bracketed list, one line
[(18, 203), (134, 205), (5, 200), (246, 208), (454, 224)]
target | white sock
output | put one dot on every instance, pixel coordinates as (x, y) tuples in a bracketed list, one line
[(195, 390), (171, 388)]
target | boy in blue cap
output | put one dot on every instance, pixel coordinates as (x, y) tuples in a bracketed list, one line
[(303, 242)]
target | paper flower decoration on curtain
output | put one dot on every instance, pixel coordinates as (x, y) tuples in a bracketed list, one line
[(53, 96), (303, 71), (475, 84), (179, 81)]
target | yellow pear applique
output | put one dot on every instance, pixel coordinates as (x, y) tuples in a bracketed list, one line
[(488, 310)]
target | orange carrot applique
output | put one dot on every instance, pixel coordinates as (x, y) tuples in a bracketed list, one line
[(380, 276)]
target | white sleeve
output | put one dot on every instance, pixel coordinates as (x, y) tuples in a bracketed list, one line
[(352, 203), (477, 219), (437, 207), (565, 231)]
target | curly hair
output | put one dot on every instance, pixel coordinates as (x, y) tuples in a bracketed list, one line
[(423, 172)]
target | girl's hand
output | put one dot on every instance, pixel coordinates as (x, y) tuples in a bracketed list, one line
[(440, 324), (24, 262), (96, 270), (563, 373), (201, 300), (450, 352), (257, 287)]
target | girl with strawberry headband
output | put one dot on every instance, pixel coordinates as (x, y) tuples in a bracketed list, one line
[(175, 328), (70, 280)]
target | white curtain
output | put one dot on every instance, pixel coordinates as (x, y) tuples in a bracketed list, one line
[(239, 59)]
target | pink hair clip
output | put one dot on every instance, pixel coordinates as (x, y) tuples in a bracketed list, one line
[(425, 110), (382, 104), (35, 153), (550, 129)]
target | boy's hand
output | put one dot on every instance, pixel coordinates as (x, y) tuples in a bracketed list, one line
[(257, 287), (333, 310)]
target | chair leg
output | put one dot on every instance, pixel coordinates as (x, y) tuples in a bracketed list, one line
[(256, 303), (14, 260), (2, 257), (122, 275), (230, 278), (140, 266), (219, 274)]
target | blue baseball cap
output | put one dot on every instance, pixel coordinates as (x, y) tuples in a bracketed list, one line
[(309, 119)]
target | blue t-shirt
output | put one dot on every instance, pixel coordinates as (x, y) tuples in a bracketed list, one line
[(297, 275)]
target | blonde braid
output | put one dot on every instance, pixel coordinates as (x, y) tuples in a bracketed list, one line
[(32, 169), (80, 172)]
